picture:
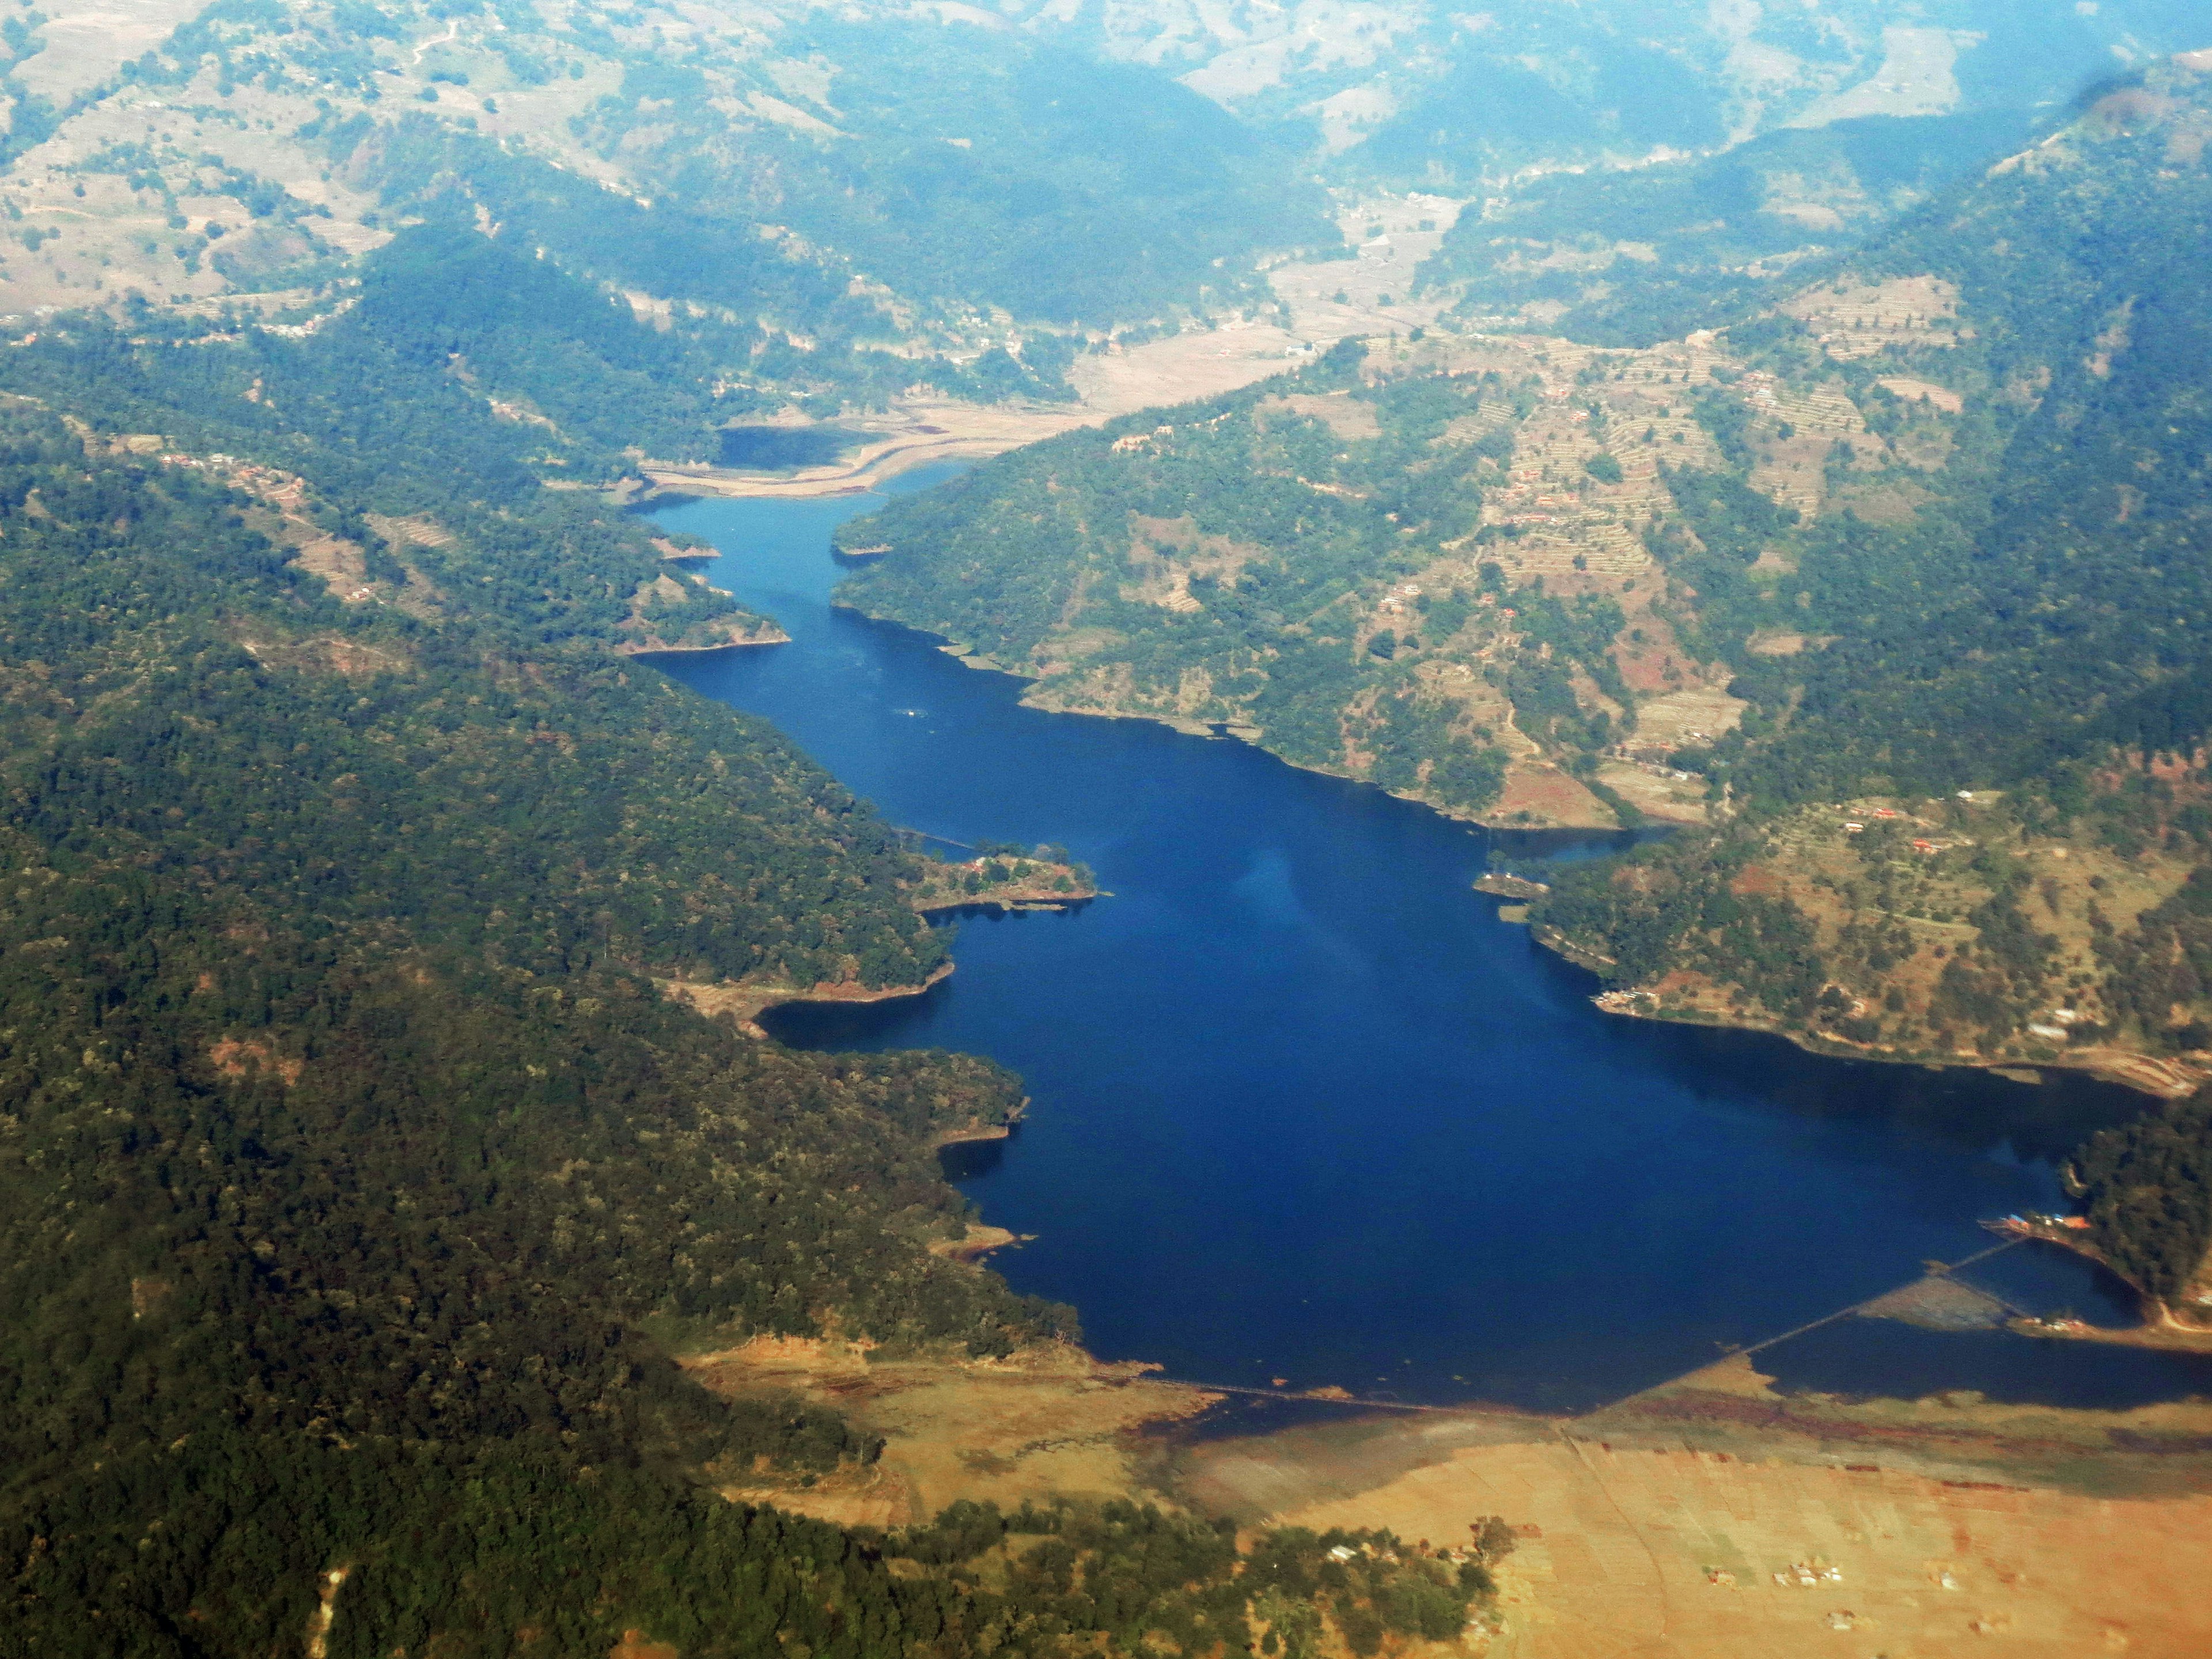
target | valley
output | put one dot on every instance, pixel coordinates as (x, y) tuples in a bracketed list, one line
[(564, 563)]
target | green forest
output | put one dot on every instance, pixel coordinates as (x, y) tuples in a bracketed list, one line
[(357, 1179), (834, 189), (1222, 565), (346, 1136), (2036, 629), (361, 1179), (1651, 253)]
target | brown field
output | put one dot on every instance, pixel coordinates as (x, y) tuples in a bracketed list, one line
[(1655, 793), (1049, 1421), (1197, 363), (1653, 1529), (1538, 796), (1656, 1530)]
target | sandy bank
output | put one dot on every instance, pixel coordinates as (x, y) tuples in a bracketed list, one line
[(1013, 896), (745, 1002), (922, 434), (738, 638), (1657, 1529), (2161, 1327), (1198, 363), (977, 1242)]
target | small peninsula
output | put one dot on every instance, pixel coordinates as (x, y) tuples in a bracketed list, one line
[(1980, 929), (1005, 878)]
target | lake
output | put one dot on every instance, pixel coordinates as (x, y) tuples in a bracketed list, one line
[(1305, 1108)]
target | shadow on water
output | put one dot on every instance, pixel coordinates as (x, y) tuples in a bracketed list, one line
[(1305, 1106), (784, 448), (970, 1160)]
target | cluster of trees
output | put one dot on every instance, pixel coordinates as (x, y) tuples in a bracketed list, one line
[(2146, 1188), (1288, 532), (973, 169), (457, 1556), (348, 1149), (2039, 612), (1670, 906), (367, 412), (749, 327), (2047, 603), (1173, 1580), (961, 170), (999, 865)]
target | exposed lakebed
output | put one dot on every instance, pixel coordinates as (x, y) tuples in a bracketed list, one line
[(1305, 1108)]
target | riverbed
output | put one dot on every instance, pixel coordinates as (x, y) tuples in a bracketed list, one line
[(1305, 1108)]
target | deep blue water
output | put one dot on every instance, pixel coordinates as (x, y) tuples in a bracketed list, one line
[(1305, 1107)]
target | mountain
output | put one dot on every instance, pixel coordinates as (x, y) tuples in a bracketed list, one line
[(816, 211), (1919, 548), (1632, 256), (1424, 96), (802, 206), (366, 1158)]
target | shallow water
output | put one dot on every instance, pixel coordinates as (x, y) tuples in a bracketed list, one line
[(1305, 1108)]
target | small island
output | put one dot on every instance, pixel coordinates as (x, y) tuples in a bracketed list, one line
[(1005, 876)]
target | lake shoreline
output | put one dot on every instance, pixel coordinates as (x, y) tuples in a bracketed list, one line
[(1217, 848), (930, 436), (2158, 1328), (2146, 1074), (1210, 730), (646, 651)]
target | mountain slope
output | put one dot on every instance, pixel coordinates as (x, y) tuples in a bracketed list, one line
[(342, 1113), (1980, 826), (1935, 524), (785, 190), (1422, 96)]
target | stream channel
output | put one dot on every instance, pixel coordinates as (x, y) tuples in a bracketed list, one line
[(1305, 1108)]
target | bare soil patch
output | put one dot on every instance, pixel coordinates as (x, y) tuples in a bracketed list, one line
[(1689, 717), (1536, 796), (744, 1000), (1049, 1421), (1661, 1532)]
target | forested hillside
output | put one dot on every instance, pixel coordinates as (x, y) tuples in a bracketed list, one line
[(341, 1113), (366, 1163), (359, 1177), (1630, 256), (1981, 825), (1447, 565), (800, 209)]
